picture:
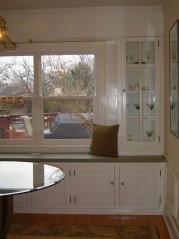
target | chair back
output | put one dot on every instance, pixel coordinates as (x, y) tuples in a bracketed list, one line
[(1, 133), (27, 125)]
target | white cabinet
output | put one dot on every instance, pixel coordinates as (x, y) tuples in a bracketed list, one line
[(177, 201), (100, 188), (171, 189), (173, 79), (94, 186), (171, 208), (21, 201), (54, 197), (141, 92), (140, 188), (174, 98), (86, 186)]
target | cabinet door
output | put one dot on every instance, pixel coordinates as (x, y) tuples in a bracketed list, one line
[(171, 193), (141, 90), (94, 186), (20, 201), (139, 187), (57, 196), (174, 73)]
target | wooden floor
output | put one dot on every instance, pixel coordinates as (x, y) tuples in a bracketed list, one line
[(96, 219)]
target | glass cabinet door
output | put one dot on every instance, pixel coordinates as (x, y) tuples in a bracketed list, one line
[(140, 90), (174, 78)]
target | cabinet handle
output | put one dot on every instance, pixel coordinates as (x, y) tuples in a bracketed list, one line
[(122, 183), (112, 183), (124, 90)]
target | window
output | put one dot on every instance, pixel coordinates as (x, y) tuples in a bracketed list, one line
[(70, 80), (67, 89), (46, 87), (16, 86), (47, 98)]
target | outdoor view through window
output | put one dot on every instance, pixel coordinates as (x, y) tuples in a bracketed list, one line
[(59, 90)]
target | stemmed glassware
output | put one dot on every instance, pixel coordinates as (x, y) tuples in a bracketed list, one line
[(129, 137), (172, 105), (137, 106), (131, 56), (150, 105), (149, 133), (174, 55), (148, 55), (175, 132)]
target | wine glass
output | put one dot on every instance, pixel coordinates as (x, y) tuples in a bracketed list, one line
[(137, 106), (129, 137), (175, 132), (131, 58), (150, 105), (172, 105), (174, 55), (149, 133), (148, 55)]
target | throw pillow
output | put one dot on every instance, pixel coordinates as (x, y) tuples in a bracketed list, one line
[(104, 140)]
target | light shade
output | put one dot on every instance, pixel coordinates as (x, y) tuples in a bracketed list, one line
[(5, 42)]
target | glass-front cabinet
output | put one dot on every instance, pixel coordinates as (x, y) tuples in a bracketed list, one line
[(140, 93), (174, 78)]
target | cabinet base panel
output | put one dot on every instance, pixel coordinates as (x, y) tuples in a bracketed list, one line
[(89, 211), (170, 221)]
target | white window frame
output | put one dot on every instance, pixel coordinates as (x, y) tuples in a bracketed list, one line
[(38, 143)]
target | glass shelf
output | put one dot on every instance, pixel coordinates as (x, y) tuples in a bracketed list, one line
[(140, 91), (140, 129), (174, 64), (174, 103)]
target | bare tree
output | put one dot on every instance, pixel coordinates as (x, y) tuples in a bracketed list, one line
[(61, 75), (16, 76), (68, 75)]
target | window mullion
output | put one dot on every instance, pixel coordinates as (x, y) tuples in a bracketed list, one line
[(37, 109)]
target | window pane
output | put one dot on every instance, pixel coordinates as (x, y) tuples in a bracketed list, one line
[(16, 83), (15, 118), (67, 75), (68, 119), (16, 76)]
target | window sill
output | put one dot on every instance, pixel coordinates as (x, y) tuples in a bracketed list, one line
[(81, 157)]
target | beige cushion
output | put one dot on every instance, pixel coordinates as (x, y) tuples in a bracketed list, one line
[(104, 140)]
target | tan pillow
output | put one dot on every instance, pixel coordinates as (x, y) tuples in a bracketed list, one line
[(104, 140)]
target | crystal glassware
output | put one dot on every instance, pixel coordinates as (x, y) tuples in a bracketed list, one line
[(174, 55), (129, 137), (172, 105), (131, 56), (148, 55), (137, 106), (149, 133), (150, 105)]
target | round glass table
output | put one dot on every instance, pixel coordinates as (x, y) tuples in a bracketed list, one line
[(23, 177)]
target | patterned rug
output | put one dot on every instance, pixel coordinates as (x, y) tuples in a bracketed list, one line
[(81, 231)]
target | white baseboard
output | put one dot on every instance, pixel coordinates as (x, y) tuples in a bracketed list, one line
[(170, 221)]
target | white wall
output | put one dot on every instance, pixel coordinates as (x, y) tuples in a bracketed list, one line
[(105, 23), (110, 24), (171, 14)]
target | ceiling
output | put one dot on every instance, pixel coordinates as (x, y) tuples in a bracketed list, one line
[(46, 4)]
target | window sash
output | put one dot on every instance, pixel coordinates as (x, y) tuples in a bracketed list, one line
[(38, 143)]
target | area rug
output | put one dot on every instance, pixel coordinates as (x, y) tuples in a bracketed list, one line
[(81, 231)]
